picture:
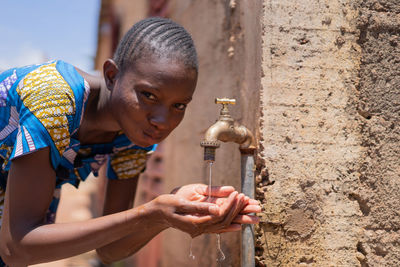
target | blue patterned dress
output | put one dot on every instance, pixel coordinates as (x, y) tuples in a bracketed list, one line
[(42, 106)]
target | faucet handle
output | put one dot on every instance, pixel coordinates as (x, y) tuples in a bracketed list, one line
[(225, 102)]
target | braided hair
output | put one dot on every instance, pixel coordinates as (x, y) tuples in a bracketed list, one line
[(156, 36)]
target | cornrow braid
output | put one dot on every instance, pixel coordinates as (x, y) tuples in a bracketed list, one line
[(159, 36)]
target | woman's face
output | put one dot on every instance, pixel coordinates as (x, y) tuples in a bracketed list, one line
[(149, 99)]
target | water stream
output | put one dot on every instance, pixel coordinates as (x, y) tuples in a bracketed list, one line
[(220, 253), (191, 255)]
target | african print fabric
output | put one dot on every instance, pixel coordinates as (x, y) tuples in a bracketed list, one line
[(42, 106)]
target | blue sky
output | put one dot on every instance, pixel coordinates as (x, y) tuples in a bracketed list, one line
[(32, 31)]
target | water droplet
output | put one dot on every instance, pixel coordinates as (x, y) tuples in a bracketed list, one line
[(220, 253), (191, 255)]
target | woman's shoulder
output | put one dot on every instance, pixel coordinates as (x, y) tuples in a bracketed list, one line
[(56, 82), (46, 101), (54, 95)]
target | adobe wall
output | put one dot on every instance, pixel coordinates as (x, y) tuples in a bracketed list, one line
[(379, 105), (330, 136), (226, 34)]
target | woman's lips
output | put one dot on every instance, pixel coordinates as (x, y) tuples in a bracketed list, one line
[(156, 137)]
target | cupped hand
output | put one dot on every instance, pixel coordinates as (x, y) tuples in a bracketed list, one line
[(233, 208), (188, 216), (196, 217)]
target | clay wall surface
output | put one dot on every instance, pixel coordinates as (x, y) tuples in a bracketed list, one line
[(225, 34), (329, 179), (379, 105)]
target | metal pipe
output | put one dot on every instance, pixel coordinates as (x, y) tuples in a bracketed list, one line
[(225, 129), (247, 174)]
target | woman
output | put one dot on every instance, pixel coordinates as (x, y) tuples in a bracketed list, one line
[(59, 124)]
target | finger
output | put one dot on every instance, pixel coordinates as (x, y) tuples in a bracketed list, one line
[(191, 207), (234, 227), (176, 189), (253, 202), (246, 219), (216, 191), (219, 200), (251, 209), (228, 204), (244, 202), (234, 211)]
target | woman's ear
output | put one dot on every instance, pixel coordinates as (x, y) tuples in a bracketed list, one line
[(110, 72)]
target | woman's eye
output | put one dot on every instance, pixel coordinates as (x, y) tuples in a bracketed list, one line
[(180, 106), (149, 95)]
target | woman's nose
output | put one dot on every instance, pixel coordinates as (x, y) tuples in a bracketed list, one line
[(159, 120)]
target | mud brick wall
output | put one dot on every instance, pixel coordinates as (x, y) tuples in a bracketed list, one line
[(329, 160), (379, 105)]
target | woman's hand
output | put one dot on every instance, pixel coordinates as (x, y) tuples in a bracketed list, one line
[(233, 208), (218, 195)]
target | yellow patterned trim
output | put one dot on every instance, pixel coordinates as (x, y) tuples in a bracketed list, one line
[(129, 163), (8, 150), (49, 97)]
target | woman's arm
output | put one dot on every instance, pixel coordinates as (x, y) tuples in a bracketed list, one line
[(225, 197), (120, 194), (25, 240)]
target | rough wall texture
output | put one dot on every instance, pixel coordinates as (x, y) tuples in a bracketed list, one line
[(379, 103), (310, 128), (329, 174)]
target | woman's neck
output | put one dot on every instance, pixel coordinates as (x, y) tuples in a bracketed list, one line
[(98, 124)]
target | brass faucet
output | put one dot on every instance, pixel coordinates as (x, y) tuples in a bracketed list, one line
[(226, 129)]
